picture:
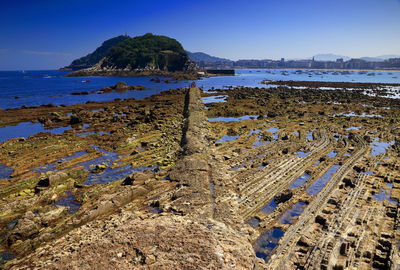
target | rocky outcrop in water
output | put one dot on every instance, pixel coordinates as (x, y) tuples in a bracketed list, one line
[(138, 56)]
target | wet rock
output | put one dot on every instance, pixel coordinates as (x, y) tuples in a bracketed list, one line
[(303, 242), (333, 202), (137, 177), (285, 136), (344, 247), (283, 197), (367, 254), (11, 225), (320, 220), (45, 182), (134, 152), (74, 119), (28, 225), (78, 185), (227, 157), (368, 138), (80, 93), (156, 80), (120, 87), (358, 169), (352, 136), (58, 117), (57, 176), (48, 217), (99, 168), (348, 183), (264, 163), (128, 181)]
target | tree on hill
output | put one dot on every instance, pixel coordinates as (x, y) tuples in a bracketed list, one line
[(94, 57), (148, 51)]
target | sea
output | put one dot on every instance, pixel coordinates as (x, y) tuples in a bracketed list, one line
[(41, 87)]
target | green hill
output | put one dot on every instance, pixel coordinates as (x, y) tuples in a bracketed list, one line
[(94, 57), (147, 52)]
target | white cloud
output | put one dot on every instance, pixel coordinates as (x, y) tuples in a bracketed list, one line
[(45, 53)]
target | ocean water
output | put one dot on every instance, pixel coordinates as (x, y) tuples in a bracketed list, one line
[(33, 88), (252, 78), (26, 129)]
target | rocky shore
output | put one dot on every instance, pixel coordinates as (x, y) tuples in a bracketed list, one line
[(178, 76), (258, 178)]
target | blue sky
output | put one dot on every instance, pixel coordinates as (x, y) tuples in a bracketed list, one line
[(46, 34)]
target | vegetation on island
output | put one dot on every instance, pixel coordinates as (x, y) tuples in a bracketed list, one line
[(147, 52), (94, 57)]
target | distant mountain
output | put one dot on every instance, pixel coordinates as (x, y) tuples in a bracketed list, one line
[(387, 56), (330, 57), (380, 58), (94, 57), (371, 59), (203, 57)]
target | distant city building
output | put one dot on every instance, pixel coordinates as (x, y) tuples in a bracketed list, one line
[(393, 63)]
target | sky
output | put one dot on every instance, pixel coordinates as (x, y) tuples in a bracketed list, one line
[(49, 34)]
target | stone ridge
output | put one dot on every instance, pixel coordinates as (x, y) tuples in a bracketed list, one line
[(192, 171), (194, 140)]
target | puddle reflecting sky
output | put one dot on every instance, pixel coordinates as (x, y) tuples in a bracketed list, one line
[(380, 147), (300, 181), (270, 207), (214, 99), (5, 172), (226, 138), (302, 154), (294, 211), (227, 119), (267, 242), (69, 202), (332, 154), (320, 183)]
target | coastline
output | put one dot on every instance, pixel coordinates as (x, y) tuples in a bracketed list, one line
[(144, 140), (323, 69), (179, 76)]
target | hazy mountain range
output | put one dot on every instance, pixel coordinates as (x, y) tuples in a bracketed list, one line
[(199, 57)]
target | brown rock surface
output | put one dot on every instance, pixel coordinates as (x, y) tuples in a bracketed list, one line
[(190, 212), (126, 241)]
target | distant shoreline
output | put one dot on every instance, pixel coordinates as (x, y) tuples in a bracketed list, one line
[(323, 69), (368, 70)]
